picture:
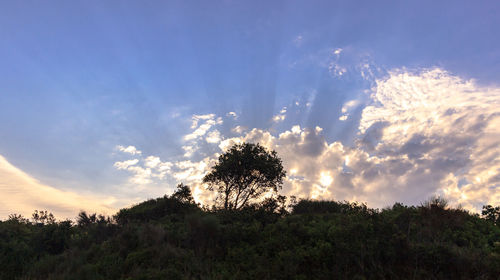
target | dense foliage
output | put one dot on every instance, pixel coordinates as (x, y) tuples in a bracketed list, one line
[(244, 173), (173, 238)]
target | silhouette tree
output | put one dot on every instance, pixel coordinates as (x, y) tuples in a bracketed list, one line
[(243, 173), (183, 194), (491, 214), (43, 217)]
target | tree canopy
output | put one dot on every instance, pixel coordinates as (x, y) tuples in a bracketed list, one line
[(244, 173), (183, 194)]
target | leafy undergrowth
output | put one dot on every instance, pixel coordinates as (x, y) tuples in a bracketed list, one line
[(168, 238)]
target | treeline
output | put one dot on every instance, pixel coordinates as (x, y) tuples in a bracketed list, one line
[(172, 237)]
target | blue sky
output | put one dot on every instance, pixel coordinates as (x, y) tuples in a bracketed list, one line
[(79, 79)]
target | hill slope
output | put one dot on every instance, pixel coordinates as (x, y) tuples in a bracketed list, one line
[(167, 238)]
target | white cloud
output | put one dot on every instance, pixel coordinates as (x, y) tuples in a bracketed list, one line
[(349, 105), (201, 130), (438, 123), (224, 145), (196, 118), (142, 176), (151, 161), (347, 108), (233, 115), (280, 116), (239, 129), (22, 194), (130, 149), (164, 166), (189, 150), (125, 164), (424, 133), (213, 137)]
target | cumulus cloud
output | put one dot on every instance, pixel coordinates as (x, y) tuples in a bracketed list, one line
[(151, 161), (200, 131), (423, 133), (22, 194), (239, 129), (202, 126), (445, 127), (130, 150), (126, 164), (189, 172), (189, 168)]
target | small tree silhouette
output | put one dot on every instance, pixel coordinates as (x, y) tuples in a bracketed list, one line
[(43, 217), (244, 173), (183, 194)]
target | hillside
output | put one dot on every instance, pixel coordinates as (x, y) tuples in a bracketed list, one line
[(173, 238)]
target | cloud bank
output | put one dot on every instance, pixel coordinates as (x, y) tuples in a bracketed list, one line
[(22, 194), (423, 133)]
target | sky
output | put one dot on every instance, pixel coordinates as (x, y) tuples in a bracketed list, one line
[(104, 104)]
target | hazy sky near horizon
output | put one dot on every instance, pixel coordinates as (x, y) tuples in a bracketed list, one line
[(115, 102)]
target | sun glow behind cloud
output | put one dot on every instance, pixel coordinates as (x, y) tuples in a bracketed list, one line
[(425, 133)]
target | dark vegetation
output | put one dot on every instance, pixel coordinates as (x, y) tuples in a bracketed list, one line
[(172, 237), (243, 174)]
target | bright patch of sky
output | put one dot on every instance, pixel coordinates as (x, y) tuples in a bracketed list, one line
[(369, 101)]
